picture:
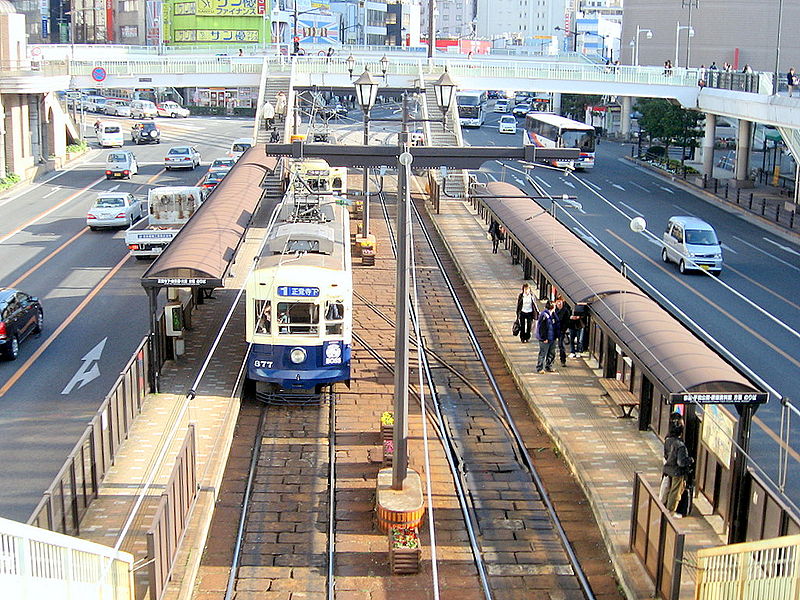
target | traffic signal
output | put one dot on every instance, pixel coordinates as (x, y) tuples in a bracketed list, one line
[(296, 46)]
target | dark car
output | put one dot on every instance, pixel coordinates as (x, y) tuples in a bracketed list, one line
[(20, 316), (145, 133), (212, 179)]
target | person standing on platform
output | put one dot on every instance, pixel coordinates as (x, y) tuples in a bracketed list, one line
[(526, 312), (677, 464), (791, 81), (546, 335), (563, 314), (496, 232), (575, 330)]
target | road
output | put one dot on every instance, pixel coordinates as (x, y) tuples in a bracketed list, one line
[(752, 309), (92, 300)]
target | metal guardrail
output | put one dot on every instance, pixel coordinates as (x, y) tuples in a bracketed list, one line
[(36, 564), (170, 520), (750, 571), (656, 541), (78, 482)]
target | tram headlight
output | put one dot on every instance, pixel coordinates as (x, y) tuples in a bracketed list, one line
[(297, 355)]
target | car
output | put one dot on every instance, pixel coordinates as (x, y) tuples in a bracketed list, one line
[(115, 209), (121, 164), (145, 133), (212, 179), (332, 111), (182, 157), (507, 124), (693, 244), (117, 107), (93, 103), (109, 133), (20, 316), (171, 109), (522, 109), (223, 164), (501, 105), (239, 147), (143, 109)]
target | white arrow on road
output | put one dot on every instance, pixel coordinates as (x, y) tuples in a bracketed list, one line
[(619, 187), (89, 371)]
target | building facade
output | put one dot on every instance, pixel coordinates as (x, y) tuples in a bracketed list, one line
[(523, 19), (734, 31)]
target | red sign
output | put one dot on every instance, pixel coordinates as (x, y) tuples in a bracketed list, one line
[(109, 21), (261, 6)]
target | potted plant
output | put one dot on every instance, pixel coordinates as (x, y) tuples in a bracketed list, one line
[(404, 550), (388, 452), (387, 425)]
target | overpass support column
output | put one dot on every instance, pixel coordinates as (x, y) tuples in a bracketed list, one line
[(743, 154), (625, 118), (708, 145), (557, 103)]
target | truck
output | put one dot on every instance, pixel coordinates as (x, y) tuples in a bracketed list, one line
[(168, 209)]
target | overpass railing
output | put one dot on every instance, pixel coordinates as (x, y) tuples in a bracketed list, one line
[(36, 563)]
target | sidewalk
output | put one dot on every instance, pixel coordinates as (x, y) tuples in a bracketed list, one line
[(603, 451)]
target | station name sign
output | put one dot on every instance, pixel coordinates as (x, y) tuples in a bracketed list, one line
[(719, 398), (181, 281)]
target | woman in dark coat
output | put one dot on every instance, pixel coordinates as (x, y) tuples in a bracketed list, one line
[(526, 312)]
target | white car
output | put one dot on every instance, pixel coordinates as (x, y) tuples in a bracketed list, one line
[(171, 109), (239, 147), (117, 107), (115, 209), (507, 124), (121, 164), (222, 165), (182, 157)]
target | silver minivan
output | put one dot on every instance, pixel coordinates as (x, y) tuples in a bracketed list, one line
[(692, 244)]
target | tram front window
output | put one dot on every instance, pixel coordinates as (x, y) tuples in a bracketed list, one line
[(298, 318), (263, 313), (334, 313)]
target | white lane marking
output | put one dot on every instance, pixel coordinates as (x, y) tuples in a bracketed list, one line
[(542, 181), (684, 211), (669, 191), (51, 192), (569, 183), (88, 371), (728, 248), (630, 208), (586, 238), (619, 187), (594, 185), (781, 246), (772, 256), (518, 180), (641, 187), (79, 163), (114, 189), (491, 176)]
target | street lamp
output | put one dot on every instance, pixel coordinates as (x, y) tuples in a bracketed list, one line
[(366, 93), (384, 66), (635, 43), (351, 63), (444, 90), (690, 34)]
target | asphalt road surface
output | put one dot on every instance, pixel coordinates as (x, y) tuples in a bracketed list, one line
[(752, 310), (93, 302)]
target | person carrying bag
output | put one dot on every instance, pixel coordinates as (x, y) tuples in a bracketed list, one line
[(526, 314)]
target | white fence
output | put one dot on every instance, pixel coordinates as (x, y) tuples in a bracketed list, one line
[(37, 564), (768, 569)]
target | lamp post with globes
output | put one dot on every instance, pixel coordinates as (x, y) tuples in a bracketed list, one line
[(366, 92), (689, 35), (635, 43)]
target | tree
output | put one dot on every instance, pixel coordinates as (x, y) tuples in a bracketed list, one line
[(668, 123), (574, 105)]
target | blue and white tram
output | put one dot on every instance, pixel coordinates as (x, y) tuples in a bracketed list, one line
[(299, 301)]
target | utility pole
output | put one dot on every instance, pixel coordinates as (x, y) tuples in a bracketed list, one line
[(431, 28)]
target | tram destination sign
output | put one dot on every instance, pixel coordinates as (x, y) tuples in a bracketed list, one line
[(719, 398)]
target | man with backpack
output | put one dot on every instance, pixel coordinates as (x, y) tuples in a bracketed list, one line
[(547, 331), (677, 467)]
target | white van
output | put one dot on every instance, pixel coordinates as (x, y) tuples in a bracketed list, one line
[(240, 146), (143, 109), (502, 105), (693, 244), (109, 133)]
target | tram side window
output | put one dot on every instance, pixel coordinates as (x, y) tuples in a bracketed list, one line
[(298, 318), (334, 314), (263, 312)]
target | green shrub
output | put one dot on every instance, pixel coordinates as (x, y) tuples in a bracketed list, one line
[(655, 152), (79, 147), (8, 181)]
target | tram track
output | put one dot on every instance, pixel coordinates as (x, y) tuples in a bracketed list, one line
[(498, 486)]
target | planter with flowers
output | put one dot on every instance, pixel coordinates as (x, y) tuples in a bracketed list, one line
[(387, 426), (404, 550), (388, 452)]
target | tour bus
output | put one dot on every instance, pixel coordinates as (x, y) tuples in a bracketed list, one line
[(471, 108), (548, 130)]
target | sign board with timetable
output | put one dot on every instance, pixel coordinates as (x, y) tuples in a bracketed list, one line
[(719, 398)]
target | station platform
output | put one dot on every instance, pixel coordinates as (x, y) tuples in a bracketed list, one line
[(603, 451)]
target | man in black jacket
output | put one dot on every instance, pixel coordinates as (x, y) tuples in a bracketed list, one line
[(677, 463), (562, 313)]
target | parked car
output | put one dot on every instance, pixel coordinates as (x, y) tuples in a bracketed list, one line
[(693, 244), (93, 103), (121, 164), (182, 157), (507, 124), (171, 109), (120, 108), (115, 209), (223, 164), (521, 109), (145, 133), (212, 179), (20, 316), (143, 109)]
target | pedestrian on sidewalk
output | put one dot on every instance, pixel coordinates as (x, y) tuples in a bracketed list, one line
[(526, 312), (497, 234), (667, 68), (677, 464), (576, 327), (791, 81), (546, 335), (563, 314)]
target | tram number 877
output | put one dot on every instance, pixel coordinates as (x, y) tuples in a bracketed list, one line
[(266, 364)]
